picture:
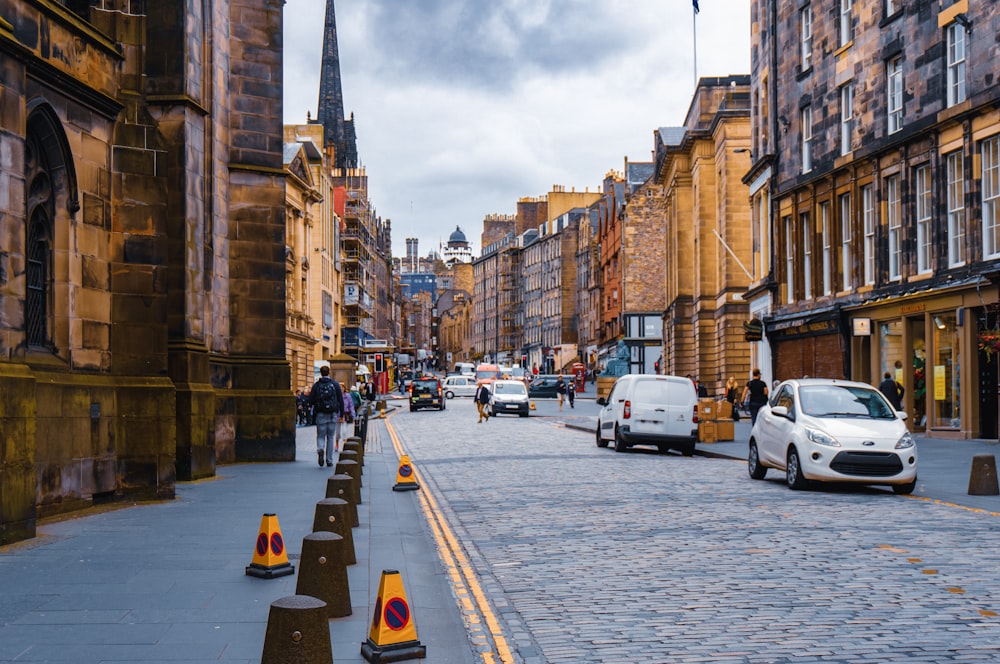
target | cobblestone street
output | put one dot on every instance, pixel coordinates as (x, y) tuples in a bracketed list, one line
[(593, 556)]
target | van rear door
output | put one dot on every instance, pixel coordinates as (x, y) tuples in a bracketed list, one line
[(662, 406)]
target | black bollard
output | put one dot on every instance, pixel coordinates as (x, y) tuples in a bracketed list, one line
[(983, 478), (351, 468), (351, 455), (333, 515), (323, 572), (298, 632), (342, 486)]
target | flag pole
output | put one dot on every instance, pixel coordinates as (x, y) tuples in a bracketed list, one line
[(694, 31)]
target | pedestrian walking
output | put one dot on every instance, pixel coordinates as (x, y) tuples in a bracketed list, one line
[(732, 396), (892, 390), (560, 391), (327, 400), (347, 415), (482, 400), (571, 393), (755, 395)]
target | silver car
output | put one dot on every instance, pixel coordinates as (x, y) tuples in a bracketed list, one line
[(459, 386)]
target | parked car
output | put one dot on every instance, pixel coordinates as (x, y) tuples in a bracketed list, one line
[(459, 386), (508, 396), (823, 430), (426, 392), (645, 409), (465, 369)]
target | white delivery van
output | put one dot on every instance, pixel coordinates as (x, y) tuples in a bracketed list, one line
[(465, 369), (645, 409)]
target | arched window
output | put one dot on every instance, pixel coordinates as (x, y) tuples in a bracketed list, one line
[(38, 314)]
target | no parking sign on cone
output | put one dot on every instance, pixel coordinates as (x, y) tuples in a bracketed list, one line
[(393, 636), (270, 559), (405, 480)]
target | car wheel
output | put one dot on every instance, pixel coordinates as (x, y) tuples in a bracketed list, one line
[(600, 441), (412, 409), (449, 395), (493, 412), (688, 449), (442, 406), (793, 472), (904, 489), (620, 445), (756, 470), (523, 414)]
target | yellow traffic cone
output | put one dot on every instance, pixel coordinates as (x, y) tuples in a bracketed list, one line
[(405, 479), (270, 559), (393, 636)]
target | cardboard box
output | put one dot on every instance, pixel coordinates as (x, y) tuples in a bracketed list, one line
[(725, 430), (725, 411), (707, 432), (707, 409)]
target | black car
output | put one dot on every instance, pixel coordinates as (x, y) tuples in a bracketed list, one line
[(544, 386), (426, 393)]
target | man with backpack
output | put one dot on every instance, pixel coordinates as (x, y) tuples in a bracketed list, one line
[(328, 402)]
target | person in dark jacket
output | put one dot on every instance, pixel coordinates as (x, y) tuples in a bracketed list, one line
[(327, 400), (755, 395), (892, 390)]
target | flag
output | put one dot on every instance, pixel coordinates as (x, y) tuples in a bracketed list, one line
[(696, 8)]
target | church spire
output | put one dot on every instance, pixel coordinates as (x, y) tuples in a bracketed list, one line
[(330, 114)]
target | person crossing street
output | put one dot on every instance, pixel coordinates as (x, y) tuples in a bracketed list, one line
[(482, 401)]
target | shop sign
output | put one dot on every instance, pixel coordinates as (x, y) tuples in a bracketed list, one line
[(862, 327), (753, 329), (806, 330), (912, 308)]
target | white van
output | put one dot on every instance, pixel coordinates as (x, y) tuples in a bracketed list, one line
[(645, 409), (465, 369)]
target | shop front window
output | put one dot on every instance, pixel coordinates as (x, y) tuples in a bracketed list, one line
[(945, 376), (890, 340)]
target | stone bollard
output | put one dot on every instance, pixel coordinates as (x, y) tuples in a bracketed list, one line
[(363, 433), (351, 455), (351, 468), (333, 515), (354, 443), (342, 486), (297, 631), (983, 478), (323, 572)]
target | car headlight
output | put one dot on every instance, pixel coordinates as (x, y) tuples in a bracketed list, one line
[(905, 442), (821, 437)]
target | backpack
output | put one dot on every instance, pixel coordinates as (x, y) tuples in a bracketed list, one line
[(326, 397)]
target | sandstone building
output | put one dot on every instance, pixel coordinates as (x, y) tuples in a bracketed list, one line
[(142, 260), (876, 149)]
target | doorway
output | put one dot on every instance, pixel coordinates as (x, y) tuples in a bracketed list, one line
[(987, 324), (918, 373)]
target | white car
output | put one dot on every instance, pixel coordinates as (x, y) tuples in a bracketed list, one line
[(645, 409), (508, 396), (832, 431), (459, 386)]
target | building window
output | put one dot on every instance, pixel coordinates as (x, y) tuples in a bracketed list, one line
[(923, 209), (846, 10), (868, 214), (991, 197), (894, 92), (824, 221), (789, 260), (895, 223), (806, 36), (807, 241), (955, 36), (846, 117), (39, 249), (891, 7), (807, 139), (762, 247), (845, 241), (955, 194)]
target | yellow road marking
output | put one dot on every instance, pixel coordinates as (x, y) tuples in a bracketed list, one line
[(935, 501), (471, 598)]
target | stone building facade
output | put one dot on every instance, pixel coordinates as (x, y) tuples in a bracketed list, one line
[(699, 168), (609, 243), (142, 212), (880, 143)]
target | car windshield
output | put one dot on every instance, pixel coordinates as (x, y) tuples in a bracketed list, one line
[(486, 373), (844, 401), (509, 388), (424, 385)]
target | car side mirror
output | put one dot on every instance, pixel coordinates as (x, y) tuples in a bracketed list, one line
[(601, 401), (901, 414), (780, 411)]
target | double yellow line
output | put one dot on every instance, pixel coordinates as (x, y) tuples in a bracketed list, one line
[(480, 621)]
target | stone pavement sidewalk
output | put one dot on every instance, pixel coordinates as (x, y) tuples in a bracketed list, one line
[(165, 582)]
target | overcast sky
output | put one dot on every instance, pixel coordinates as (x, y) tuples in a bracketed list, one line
[(463, 106)]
